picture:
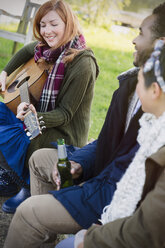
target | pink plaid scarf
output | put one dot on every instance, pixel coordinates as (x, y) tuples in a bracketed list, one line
[(52, 85)]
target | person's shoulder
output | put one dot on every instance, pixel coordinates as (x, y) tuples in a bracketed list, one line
[(31, 45), (159, 156), (85, 53), (128, 74), (86, 59)]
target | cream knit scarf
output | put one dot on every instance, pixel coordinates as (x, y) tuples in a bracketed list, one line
[(151, 137)]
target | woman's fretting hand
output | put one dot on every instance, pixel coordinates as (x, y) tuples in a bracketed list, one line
[(3, 78), (22, 110)]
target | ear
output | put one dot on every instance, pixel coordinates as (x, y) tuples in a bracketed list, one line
[(156, 90)]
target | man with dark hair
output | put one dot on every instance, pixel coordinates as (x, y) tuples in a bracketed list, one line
[(99, 165), (136, 216), (159, 27)]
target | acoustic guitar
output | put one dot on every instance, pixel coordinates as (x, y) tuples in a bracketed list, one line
[(36, 78), (25, 85)]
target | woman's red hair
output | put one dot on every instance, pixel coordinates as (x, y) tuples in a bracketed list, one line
[(63, 9)]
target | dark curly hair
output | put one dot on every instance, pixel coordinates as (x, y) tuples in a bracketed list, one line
[(159, 25)]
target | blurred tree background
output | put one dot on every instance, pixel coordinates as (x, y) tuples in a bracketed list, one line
[(100, 12), (141, 5), (95, 11)]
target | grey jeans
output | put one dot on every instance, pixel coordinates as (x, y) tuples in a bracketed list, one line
[(38, 219)]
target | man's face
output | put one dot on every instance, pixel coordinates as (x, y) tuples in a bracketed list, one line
[(144, 42)]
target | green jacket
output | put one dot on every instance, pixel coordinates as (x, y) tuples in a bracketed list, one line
[(71, 117), (145, 229)]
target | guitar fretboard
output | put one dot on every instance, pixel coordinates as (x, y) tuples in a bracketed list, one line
[(24, 92)]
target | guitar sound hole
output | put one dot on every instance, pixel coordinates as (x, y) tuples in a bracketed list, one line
[(11, 88), (22, 81), (17, 84)]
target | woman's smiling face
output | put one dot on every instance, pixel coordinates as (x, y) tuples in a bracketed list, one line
[(52, 28)]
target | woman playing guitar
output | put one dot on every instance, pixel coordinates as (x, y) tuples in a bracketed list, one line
[(65, 99)]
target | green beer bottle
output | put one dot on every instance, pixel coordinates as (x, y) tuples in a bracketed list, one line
[(64, 165)]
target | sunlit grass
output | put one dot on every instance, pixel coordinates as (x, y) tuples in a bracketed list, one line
[(116, 38), (9, 26), (113, 51)]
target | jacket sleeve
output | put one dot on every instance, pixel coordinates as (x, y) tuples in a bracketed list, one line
[(21, 57), (85, 156), (144, 229)]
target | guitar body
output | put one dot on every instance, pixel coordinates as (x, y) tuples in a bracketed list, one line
[(35, 77)]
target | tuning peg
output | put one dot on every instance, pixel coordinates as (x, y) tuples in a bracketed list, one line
[(40, 118), (28, 133), (42, 122), (43, 127)]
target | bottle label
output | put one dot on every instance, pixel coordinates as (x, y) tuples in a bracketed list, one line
[(62, 154)]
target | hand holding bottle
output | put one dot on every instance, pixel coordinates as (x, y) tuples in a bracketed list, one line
[(56, 177), (76, 169), (65, 171)]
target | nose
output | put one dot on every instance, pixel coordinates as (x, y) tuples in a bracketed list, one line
[(48, 29), (134, 40)]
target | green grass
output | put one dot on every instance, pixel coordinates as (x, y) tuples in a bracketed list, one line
[(114, 55), (113, 52)]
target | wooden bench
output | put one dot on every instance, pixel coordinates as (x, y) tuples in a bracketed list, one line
[(24, 33)]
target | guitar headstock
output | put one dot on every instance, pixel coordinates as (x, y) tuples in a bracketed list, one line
[(32, 124)]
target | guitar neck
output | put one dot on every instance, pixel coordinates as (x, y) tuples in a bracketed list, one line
[(30, 119), (24, 92)]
